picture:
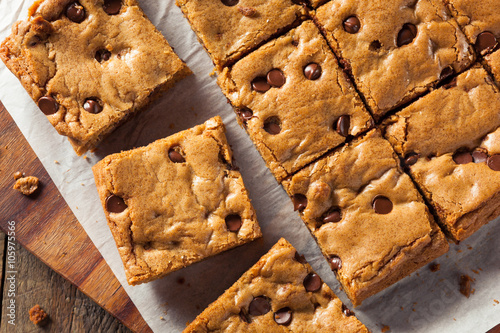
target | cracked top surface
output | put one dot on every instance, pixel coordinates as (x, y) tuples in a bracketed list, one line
[(307, 110), (350, 181), (476, 17), (55, 56), (459, 119), (389, 75), (448, 118), (279, 277), (227, 32), (175, 213)]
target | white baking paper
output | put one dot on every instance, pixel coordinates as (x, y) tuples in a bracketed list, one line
[(425, 302)]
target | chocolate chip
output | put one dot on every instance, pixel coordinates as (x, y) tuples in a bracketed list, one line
[(352, 24), (272, 125), (375, 45), (382, 205), (479, 156), (247, 11), (75, 12), (446, 73), (407, 34), (494, 162), (299, 258), (260, 84), (343, 125), (102, 55), (485, 42), (312, 282), (245, 114), (175, 156), (335, 263), (48, 105), (276, 78), (462, 157), (312, 71), (230, 3), (115, 204), (347, 312), (259, 306), (283, 316), (411, 159), (299, 202), (332, 216), (233, 222), (112, 7), (92, 105)]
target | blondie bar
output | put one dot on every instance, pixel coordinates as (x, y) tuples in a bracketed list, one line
[(280, 293), (90, 64), (395, 49), (175, 202), (450, 140), (366, 215), (230, 28), (294, 100)]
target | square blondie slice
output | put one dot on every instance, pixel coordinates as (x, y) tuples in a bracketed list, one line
[(294, 100), (368, 218), (479, 20), (175, 202), (396, 50), (90, 64), (450, 141), (230, 28), (280, 293)]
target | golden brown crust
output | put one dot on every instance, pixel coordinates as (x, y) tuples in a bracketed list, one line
[(307, 110), (279, 277), (54, 56), (375, 249), (386, 74), (175, 213)]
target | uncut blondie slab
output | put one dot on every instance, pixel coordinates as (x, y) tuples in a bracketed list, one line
[(450, 140), (230, 28), (294, 100), (366, 215), (480, 20), (395, 49), (90, 64), (175, 202), (280, 293)]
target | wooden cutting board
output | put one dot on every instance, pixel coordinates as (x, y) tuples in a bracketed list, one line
[(45, 226)]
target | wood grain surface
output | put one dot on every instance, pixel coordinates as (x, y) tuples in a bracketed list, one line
[(46, 227)]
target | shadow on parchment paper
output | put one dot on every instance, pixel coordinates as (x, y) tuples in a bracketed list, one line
[(427, 299)]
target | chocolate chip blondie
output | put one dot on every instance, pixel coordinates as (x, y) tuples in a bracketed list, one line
[(280, 293), (480, 21), (294, 100), (450, 141), (395, 49), (90, 64), (366, 215), (230, 28), (175, 202)]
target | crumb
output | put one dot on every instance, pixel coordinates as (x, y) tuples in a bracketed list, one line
[(475, 271), (469, 247), (18, 175), (402, 308), (161, 318), (459, 251), (38, 316), (181, 280), (418, 274), (385, 328), (496, 301), (82, 184), (26, 185), (465, 288), (56, 162), (434, 267), (171, 126), (84, 157), (213, 72), (480, 269)]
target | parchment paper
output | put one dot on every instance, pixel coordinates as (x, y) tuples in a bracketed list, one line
[(425, 302)]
